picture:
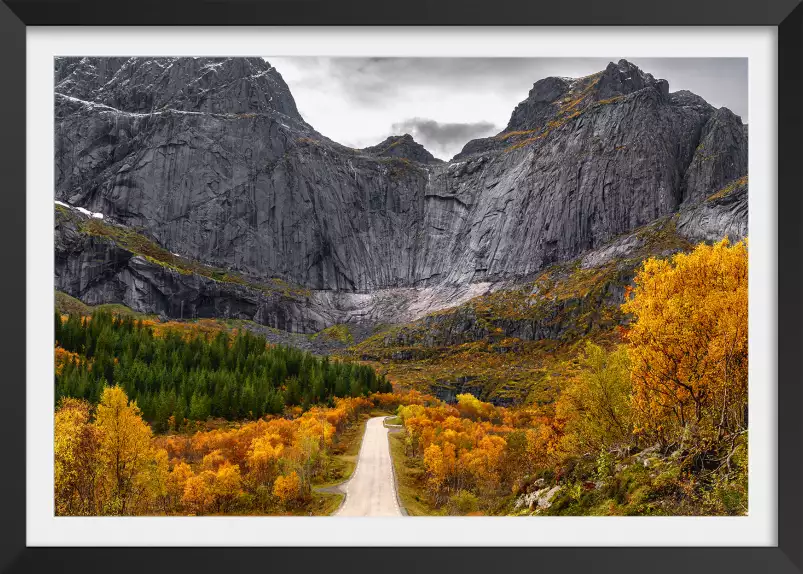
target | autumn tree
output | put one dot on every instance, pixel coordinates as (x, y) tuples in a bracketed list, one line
[(688, 345), (263, 459), (287, 488), (545, 443), (226, 485), (213, 460), (596, 404), (125, 448), (307, 456), (485, 461), (152, 485), (77, 468), (177, 481), (440, 463), (198, 495), (473, 408)]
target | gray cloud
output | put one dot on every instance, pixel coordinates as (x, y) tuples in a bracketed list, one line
[(354, 100), (371, 81), (443, 139)]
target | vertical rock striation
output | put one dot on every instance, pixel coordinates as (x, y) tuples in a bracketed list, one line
[(211, 159)]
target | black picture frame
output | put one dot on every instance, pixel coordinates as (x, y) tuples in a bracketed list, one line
[(787, 15)]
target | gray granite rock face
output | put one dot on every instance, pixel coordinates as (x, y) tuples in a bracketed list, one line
[(200, 85), (403, 147), (720, 157), (717, 217), (98, 270), (211, 158), (540, 104)]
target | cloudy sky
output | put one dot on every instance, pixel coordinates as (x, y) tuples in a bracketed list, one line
[(445, 102)]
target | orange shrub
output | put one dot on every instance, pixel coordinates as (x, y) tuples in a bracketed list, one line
[(287, 488)]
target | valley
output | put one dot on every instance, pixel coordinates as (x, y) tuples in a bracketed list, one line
[(256, 291)]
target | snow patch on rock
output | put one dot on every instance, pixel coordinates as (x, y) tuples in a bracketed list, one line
[(95, 214)]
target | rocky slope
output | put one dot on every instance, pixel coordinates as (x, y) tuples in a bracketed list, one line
[(504, 345), (103, 262), (210, 159)]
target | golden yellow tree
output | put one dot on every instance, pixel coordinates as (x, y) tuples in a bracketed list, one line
[(125, 448), (152, 485), (688, 345), (213, 460), (440, 463), (287, 488), (307, 457), (226, 485), (198, 494), (544, 443), (76, 461), (177, 481), (485, 462), (473, 408), (263, 459), (596, 404)]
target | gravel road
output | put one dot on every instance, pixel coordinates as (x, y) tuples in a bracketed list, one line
[(372, 490)]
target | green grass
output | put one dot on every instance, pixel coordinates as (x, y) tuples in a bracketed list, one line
[(410, 480), (324, 503), (68, 305), (344, 454), (340, 333), (728, 189)]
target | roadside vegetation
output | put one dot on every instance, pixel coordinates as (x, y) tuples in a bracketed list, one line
[(108, 460), (515, 345), (152, 417), (654, 425)]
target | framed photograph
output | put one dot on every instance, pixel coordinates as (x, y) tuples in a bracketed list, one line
[(405, 288)]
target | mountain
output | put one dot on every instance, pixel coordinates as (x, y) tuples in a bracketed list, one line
[(190, 85), (403, 147), (218, 199)]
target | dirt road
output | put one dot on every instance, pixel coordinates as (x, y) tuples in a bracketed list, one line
[(372, 490)]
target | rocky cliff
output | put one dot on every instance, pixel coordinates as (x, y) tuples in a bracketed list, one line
[(210, 159), (403, 147)]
